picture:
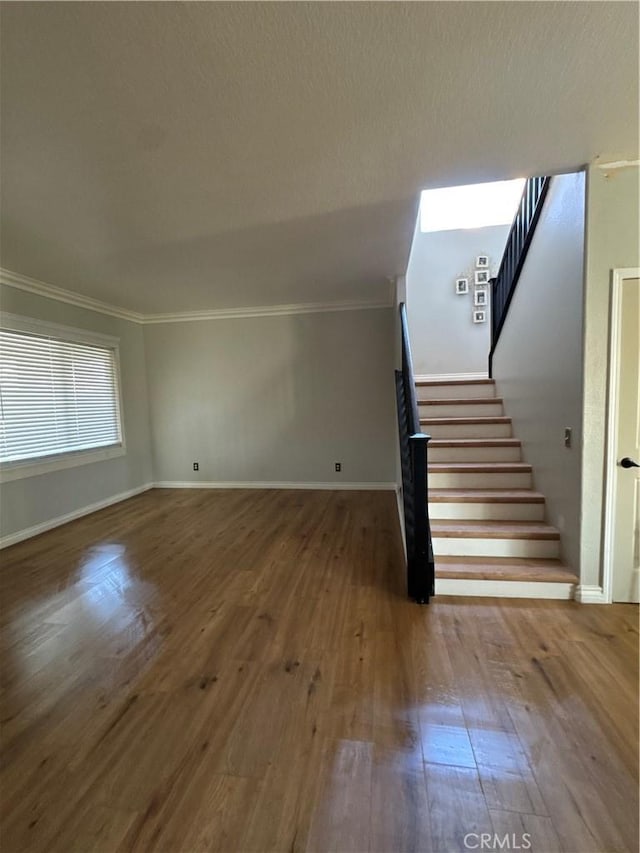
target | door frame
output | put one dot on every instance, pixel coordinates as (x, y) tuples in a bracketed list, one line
[(611, 472)]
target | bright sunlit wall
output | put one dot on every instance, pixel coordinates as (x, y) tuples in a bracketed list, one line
[(471, 206)]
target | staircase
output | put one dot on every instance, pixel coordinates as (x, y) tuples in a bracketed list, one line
[(487, 522)]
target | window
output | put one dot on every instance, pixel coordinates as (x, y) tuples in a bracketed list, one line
[(59, 396), (471, 206)]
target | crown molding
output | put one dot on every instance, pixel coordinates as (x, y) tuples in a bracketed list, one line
[(265, 311), (618, 164), (50, 291)]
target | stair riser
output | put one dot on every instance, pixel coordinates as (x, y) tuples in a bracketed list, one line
[(504, 589), (463, 547), (475, 454), (460, 410), (487, 511), (467, 430), (480, 480), (431, 392)]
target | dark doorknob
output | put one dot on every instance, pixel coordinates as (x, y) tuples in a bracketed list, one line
[(628, 463)]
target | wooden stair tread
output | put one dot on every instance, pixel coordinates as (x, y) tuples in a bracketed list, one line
[(505, 568), (475, 442), (424, 383), (497, 496), (460, 401), (461, 421), (479, 467), (451, 529)]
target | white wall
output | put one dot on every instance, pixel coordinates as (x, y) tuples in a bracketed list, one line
[(613, 226), (35, 500), (443, 337), (274, 399), (537, 364)]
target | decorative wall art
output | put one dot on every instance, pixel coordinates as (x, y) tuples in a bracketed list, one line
[(481, 297), (476, 280)]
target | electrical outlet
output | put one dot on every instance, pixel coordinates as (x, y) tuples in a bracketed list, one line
[(567, 437), (338, 467), (196, 466)]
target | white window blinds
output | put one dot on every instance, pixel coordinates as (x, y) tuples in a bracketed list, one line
[(56, 396)]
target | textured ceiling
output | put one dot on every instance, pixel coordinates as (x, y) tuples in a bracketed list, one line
[(183, 156)]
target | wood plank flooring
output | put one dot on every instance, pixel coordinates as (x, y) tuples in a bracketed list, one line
[(241, 671)]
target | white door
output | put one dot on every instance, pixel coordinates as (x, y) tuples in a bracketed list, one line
[(625, 519)]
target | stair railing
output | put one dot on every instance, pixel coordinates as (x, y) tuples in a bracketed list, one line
[(413, 458), (515, 253)]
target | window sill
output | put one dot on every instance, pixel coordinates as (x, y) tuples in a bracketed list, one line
[(33, 468)]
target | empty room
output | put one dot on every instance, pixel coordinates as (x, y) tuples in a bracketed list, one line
[(319, 424)]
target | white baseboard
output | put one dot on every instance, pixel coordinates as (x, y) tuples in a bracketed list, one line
[(590, 594), (28, 532), (504, 589), (449, 377), (224, 484)]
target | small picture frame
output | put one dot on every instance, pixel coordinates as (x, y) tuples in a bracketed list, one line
[(482, 277), (462, 286), (479, 315), (481, 296), (482, 261)]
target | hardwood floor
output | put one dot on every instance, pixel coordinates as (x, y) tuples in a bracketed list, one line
[(240, 671)]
